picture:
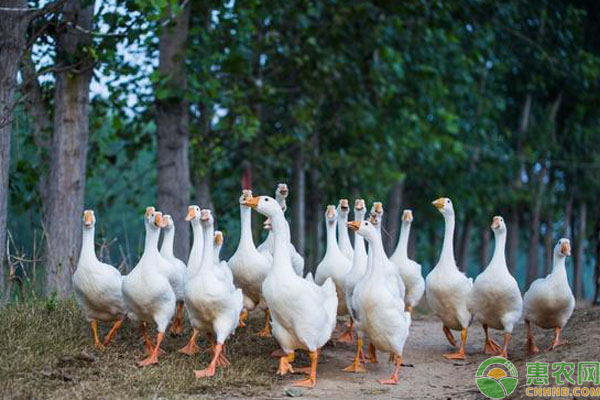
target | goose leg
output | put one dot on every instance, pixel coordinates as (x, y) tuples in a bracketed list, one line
[(348, 335), (556, 341), (357, 365), (372, 354), (312, 377), (97, 343), (449, 336), (113, 331), (285, 363), (147, 341), (211, 369), (531, 347), (222, 361), (153, 357), (460, 355), (491, 347), (243, 318), (394, 378), (177, 325), (266, 331), (504, 352), (191, 347)]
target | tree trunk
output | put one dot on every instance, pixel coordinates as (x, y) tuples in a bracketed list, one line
[(579, 244), (392, 220), (485, 248), (13, 25), (69, 148), (513, 239), (315, 218), (548, 244), (597, 269), (534, 230), (299, 206), (464, 245), (172, 129), (568, 228)]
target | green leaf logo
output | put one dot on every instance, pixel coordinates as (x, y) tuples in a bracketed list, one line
[(497, 378)]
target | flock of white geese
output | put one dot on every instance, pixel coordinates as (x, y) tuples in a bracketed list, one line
[(376, 292)]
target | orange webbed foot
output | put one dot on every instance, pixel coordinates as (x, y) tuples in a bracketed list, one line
[(391, 381), (346, 337), (205, 373), (265, 333), (356, 367), (190, 349), (148, 361), (285, 365), (308, 383), (455, 356)]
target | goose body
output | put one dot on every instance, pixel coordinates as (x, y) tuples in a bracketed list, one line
[(447, 290), (549, 301), (212, 301), (97, 285), (303, 314), (495, 299), (147, 292), (334, 264), (377, 302), (410, 271)]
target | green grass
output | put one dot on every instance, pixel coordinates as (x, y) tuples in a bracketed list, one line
[(46, 352)]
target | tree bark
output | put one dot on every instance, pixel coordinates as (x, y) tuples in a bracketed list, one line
[(513, 239), (485, 248), (13, 26), (465, 242), (299, 206), (597, 269), (315, 218), (172, 129), (392, 220), (579, 244), (69, 148)]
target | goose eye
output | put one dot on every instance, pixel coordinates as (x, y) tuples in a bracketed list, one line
[(266, 199)]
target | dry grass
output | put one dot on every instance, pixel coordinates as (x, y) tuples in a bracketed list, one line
[(46, 352)]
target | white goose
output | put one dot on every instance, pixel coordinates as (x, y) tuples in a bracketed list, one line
[(195, 258), (495, 298), (97, 285), (303, 314), (212, 301), (359, 267), (248, 266), (176, 273), (447, 289), (549, 302), (266, 247), (343, 209), (410, 271), (334, 264), (378, 304), (147, 293)]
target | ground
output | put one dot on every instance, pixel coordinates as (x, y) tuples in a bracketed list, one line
[(46, 352)]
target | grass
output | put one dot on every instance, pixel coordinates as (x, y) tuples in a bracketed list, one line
[(46, 352)]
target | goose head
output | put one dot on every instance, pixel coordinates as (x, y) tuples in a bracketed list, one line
[(359, 208), (407, 216), (365, 229), (376, 213), (206, 218), (331, 214), (246, 194), (343, 208), (168, 222), (444, 205), (89, 220), (498, 225), (193, 213), (265, 205), (281, 193), (154, 219), (563, 248)]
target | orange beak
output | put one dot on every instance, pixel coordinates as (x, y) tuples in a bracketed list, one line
[(159, 220), (191, 214), (251, 202), (205, 215), (565, 248), (378, 207), (439, 203), (149, 211), (219, 239), (283, 189), (88, 218), (407, 216), (354, 225), (359, 204), (496, 223), (330, 211)]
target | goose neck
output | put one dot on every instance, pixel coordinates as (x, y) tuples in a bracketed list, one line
[(207, 256), (246, 228), (282, 261), (342, 229), (559, 271), (198, 242), (448, 246), (332, 244), (499, 257), (152, 236), (402, 248), (167, 244), (87, 244)]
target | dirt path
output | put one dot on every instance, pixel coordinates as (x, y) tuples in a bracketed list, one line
[(430, 375)]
